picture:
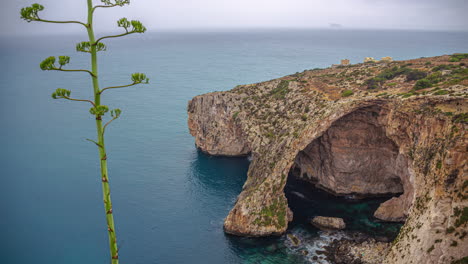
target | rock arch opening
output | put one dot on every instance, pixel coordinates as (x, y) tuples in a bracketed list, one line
[(354, 158)]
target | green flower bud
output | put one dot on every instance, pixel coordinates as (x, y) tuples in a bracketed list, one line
[(83, 47), (61, 93), (64, 60), (30, 13), (99, 110), (115, 113), (48, 64), (116, 2), (139, 78)]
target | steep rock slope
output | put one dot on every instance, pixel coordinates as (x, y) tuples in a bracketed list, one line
[(361, 130)]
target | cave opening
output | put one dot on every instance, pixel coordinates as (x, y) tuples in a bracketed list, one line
[(355, 172)]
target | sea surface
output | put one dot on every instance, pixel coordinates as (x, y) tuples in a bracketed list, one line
[(169, 199)]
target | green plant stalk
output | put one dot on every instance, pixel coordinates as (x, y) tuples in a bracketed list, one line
[(101, 144), (93, 46)]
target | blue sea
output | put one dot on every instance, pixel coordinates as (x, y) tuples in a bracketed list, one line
[(169, 199)]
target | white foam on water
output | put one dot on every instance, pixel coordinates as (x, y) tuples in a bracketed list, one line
[(312, 243), (300, 195)]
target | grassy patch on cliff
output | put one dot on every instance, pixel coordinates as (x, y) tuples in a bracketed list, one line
[(391, 73), (275, 214), (281, 90), (347, 93), (457, 76)]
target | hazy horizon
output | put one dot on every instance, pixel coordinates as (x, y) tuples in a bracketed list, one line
[(228, 30)]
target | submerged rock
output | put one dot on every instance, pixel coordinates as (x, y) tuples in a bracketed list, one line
[(328, 223), (294, 240)]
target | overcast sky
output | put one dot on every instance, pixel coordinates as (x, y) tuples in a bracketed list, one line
[(219, 14)]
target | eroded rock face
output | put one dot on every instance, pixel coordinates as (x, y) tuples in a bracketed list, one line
[(411, 145), (215, 131), (328, 223), (354, 156)]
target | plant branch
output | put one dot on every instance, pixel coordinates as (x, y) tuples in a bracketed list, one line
[(60, 69), (110, 121), (77, 100), (97, 144), (31, 13), (60, 22), (104, 6), (114, 36), (115, 87), (115, 113)]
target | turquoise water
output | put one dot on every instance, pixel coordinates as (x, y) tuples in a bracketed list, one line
[(169, 199)]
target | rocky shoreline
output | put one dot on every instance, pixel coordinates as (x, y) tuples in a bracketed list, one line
[(357, 249), (369, 129), (340, 247)]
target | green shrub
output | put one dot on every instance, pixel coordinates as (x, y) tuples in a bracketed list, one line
[(450, 230), (463, 217), (442, 67), (408, 94), (347, 93), (422, 84), (269, 134), (463, 260), (461, 118), (460, 71), (415, 75), (458, 57), (374, 83), (435, 77), (389, 74), (430, 249), (441, 92)]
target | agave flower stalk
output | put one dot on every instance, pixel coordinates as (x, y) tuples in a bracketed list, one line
[(93, 46)]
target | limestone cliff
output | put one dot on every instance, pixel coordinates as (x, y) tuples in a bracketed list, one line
[(361, 130)]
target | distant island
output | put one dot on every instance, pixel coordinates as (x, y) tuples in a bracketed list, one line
[(357, 130)]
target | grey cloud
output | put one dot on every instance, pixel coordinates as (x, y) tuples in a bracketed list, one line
[(171, 14)]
